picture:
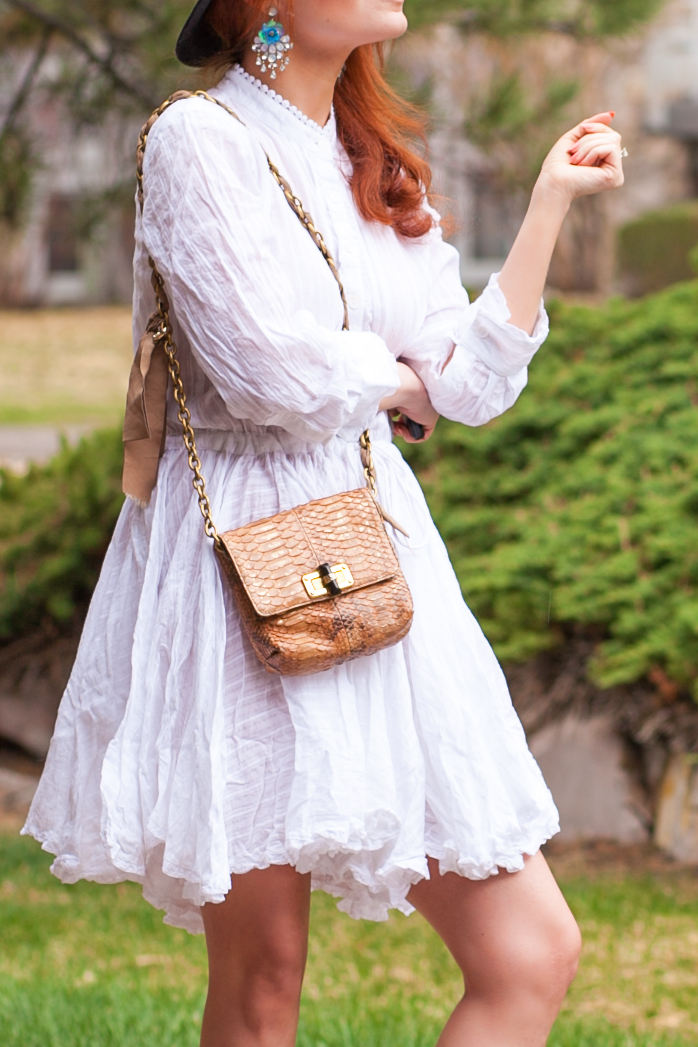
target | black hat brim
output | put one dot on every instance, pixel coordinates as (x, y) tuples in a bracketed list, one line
[(198, 43)]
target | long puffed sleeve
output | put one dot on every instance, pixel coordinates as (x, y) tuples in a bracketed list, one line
[(473, 362), (234, 256)]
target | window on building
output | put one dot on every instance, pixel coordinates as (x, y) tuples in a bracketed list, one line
[(683, 123), (498, 216), (63, 255)]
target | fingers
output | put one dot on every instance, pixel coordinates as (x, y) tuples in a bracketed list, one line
[(400, 429), (600, 122), (587, 159), (602, 118), (599, 156), (601, 151), (594, 148)]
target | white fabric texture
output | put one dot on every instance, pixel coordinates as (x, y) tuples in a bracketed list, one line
[(177, 760)]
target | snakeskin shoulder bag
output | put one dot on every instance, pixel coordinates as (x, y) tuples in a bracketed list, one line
[(315, 586)]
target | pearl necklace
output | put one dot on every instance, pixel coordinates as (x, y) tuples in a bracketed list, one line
[(325, 131)]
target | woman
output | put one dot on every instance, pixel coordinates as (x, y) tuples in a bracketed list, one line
[(400, 780)]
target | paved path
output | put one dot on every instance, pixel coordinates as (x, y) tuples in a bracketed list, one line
[(21, 445)]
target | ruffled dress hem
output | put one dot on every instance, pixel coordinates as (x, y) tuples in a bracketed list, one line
[(363, 894)]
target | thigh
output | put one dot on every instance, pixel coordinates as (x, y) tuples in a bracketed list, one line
[(499, 930), (261, 926)]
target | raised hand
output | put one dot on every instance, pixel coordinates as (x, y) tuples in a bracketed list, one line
[(586, 160)]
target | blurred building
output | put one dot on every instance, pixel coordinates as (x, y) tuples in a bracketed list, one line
[(77, 245), (650, 80)]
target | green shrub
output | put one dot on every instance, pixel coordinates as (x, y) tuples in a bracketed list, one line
[(693, 259), (653, 251), (55, 525), (579, 508)]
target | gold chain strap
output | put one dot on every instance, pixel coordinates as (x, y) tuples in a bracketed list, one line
[(165, 334), (369, 468)]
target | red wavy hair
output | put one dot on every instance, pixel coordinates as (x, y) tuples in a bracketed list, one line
[(378, 129)]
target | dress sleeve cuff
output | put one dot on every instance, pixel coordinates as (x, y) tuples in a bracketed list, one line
[(374, 375), (487, 333)]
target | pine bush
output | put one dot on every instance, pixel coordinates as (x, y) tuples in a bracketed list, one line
[(655, 250), (55, 525), (579, 508)]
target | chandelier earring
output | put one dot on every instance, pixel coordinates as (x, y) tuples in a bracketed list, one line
[(271, 45)]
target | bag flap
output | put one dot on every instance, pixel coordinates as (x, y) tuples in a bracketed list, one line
[(273, 556)]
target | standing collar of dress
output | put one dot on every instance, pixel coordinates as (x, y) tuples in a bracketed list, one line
[(272, 109)]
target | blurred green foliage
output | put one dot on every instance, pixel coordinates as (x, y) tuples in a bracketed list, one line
[(579, 507), (97, 60), (103, 60), (16, 162), (507, 112), (513, 121), (655, 250), (515, 128), (105, 57), (500, 17), (55, 525)]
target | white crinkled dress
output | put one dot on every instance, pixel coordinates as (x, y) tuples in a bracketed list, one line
[(177, 759)]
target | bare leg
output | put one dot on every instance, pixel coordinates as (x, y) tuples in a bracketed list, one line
[(517, 944), (257, 942)]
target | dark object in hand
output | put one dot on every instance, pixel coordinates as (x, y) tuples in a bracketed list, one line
[(415, 430)]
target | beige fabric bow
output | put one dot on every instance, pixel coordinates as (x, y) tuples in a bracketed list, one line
[(146, 410)]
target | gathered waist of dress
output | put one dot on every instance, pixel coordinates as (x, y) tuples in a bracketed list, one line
[(261, 441)]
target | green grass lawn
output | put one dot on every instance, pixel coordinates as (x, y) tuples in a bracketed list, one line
[(91, 966), (65, 366)]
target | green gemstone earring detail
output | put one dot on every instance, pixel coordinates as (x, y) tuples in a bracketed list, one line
[(272, 45)]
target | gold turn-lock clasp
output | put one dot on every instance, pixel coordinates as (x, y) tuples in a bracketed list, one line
[(327, 580)]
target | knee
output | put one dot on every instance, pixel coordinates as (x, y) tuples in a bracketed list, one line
[(572, 950), (532, 967), (271, 987), (256, 993), (552, 959)]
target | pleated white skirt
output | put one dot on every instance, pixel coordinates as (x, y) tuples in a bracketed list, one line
[(178, 761)]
